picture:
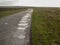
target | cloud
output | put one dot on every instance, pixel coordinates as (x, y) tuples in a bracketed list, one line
[(39, 3), (7, 2)]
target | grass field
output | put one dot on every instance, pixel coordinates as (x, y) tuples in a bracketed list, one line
[(46, 26), (8, 11)]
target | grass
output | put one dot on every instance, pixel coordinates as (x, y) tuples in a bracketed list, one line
[(9, 11), (46, 26)]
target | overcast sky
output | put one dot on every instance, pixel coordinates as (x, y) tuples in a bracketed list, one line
[(43, 3)]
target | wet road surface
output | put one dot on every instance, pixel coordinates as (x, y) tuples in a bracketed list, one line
[(15, 29)]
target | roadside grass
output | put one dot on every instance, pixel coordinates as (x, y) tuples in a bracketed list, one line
[(9, 11), (46, 26)]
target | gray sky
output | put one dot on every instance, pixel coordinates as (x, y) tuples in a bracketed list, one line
[(38, 3)]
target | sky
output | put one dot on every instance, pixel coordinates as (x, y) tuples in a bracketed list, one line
[(37, 3)]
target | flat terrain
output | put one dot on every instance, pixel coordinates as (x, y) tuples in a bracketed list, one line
[(46, 26), (9, 11)]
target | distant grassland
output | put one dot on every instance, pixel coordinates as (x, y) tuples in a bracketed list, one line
[(8, 11), (46, 26)]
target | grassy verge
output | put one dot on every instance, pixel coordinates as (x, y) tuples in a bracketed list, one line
[(46, 26), (8, 11)]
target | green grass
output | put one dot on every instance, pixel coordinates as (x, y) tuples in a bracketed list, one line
[(46, 26), (9, 11)]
